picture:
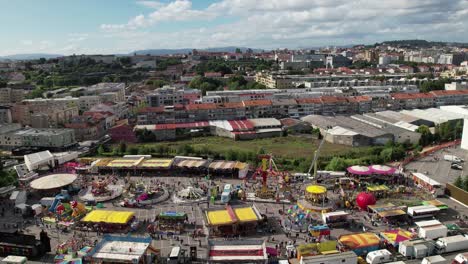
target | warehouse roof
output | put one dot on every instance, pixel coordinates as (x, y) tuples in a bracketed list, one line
[(265, 122), (460, 109), (434, 115), (391, 128), (349, 124), (398, 116)]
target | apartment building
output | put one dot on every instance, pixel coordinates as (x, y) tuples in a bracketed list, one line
[(41, 138), (5, 114), (412, 100), (58, 111), (167, 96), (10, 95), (273, 81), (109, 92)]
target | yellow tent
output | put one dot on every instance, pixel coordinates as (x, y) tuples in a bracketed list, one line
[(110, 217)]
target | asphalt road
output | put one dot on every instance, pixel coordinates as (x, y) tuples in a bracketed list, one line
[(440, 170)]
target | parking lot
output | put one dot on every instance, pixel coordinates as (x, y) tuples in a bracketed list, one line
[(439, 169)]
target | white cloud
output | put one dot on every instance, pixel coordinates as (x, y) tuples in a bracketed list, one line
[(178, 10), (26, 42), (150, 4)]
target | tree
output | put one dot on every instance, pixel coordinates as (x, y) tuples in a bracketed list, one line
[(337, 164), (100, 150), (238, 50), (3, 84), (458, 182), (133, 150), (465, 183), (122, 148), (426, 135)]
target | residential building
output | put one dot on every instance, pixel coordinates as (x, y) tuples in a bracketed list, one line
[(122, 132), (456, 86), (167, 96), (5, 114), (273, 81), (412, 100), (41, 138), (59, 111), (86, 102), (109, 92), (10, 95), (87, 127)]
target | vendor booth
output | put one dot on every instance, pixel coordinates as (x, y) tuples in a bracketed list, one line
[(108, 221), (388, 213), (232, 220)]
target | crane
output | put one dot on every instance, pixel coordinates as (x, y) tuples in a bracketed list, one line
[(314, 160)]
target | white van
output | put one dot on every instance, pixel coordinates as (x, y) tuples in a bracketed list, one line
[(174, 256), (379, 256)]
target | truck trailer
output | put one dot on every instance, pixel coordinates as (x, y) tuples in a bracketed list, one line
[(451, 244)]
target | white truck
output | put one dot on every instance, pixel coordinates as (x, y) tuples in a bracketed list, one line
[(453, 158), (461, 258), (451, 244), (379, 256), (433, 260)]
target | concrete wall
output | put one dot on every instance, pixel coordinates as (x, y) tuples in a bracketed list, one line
[(457, 193)]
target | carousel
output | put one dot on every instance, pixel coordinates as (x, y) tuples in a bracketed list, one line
[(280, 179), (189, 195), (316, 199), (139, 194), (101, 190)]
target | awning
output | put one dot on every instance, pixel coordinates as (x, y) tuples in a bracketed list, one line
[(391, 213)]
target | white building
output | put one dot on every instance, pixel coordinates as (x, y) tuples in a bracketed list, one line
[(464, 142)]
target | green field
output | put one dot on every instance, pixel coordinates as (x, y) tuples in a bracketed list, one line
[(286, 147)]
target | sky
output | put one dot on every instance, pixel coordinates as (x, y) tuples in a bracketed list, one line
[(122, 26)]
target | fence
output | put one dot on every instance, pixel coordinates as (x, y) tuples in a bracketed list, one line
[(431, 150), (457, 193)]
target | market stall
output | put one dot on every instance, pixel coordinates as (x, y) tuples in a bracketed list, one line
[(108, 221), (232, 220)]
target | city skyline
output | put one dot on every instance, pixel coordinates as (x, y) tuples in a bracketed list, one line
[(87, 27)]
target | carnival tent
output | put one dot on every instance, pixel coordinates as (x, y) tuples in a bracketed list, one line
[(359, 170), (110, 217), (156, 163), (382, 169), (396, 236), (53, 181), (189, 163), (359, 240)]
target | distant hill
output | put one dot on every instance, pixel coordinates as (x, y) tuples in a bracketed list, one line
[(423, 43), (32, 56), (188, 50)]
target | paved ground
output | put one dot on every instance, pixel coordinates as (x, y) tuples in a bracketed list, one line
[(195, 214), (440, 170)]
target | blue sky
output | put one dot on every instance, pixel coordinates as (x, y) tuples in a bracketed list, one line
[(122, 26)]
